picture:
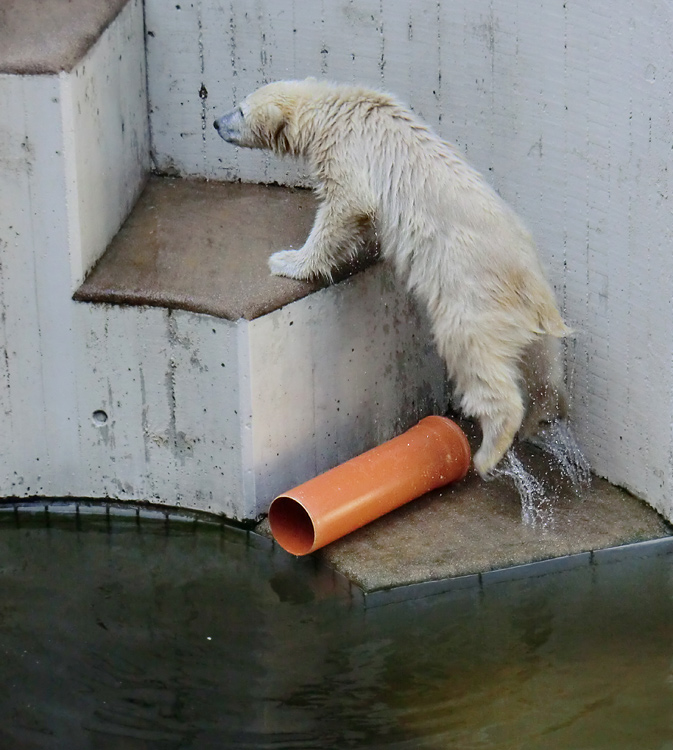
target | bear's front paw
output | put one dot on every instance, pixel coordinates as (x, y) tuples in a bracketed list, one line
[(288, 263)]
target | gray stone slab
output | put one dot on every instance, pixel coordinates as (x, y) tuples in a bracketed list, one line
[(383, 597), (203, 246), (92, 509), (155, 514), (61, 509), (121, 511), (28, 508), (534, 569), (649, 548), (476, 527), (47, 36)]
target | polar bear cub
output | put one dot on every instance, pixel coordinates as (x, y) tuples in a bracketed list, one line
[(461, 250)]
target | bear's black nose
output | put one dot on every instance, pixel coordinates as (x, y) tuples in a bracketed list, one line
[(216, 125)]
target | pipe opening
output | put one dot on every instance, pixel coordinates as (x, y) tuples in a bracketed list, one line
[(291, 526)]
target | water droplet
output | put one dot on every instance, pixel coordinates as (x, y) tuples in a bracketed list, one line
[(536, 505), (558, 441)]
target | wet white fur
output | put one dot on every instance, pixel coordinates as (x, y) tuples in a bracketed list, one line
[(462, 251)]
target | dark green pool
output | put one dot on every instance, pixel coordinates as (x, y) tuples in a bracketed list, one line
[(132, 633)]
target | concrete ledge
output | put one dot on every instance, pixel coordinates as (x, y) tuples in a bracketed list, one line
[(649, 548), (469, 537), (539, 568), (203, 247), (47, 36), (479, 581), (383, 597)]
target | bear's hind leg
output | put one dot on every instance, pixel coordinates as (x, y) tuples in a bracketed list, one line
[(489, 388), (499, 424)]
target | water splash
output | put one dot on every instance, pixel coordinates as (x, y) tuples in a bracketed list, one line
[(558, 441), (536, 504)]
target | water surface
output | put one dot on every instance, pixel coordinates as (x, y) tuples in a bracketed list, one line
[(129, 633)]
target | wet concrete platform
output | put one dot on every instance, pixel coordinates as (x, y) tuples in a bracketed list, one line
[(47, 36), (203, 247), (472, 532)]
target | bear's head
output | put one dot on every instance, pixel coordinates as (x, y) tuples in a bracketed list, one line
[(267, 118)]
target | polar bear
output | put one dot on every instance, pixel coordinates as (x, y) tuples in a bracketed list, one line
[(461, 250)]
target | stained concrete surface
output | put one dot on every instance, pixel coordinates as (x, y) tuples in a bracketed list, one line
[(203, 246), (47, 36), (474, 526)]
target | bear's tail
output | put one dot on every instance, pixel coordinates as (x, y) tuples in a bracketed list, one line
[(549, 321)]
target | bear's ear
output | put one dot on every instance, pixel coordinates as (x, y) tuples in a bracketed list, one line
[(271, 117), (277, 125)]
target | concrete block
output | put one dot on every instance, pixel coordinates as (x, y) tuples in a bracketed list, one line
[(535, 569), (209, 414), (649, 548), (73, 159), (335, 374)]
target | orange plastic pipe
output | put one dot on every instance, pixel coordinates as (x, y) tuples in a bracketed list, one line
[(429, 455)]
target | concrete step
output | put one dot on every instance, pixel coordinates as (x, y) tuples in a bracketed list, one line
[(221, 385), (75, 147), (38, 37), (203, 246), (471, 534), (73, 159)]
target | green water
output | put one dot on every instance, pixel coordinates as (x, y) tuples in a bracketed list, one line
[(126, 634)]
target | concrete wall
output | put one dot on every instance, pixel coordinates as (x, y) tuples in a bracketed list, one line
[(324, 388), (565, 106), (158, 415), (105, 137), (74, 155)]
